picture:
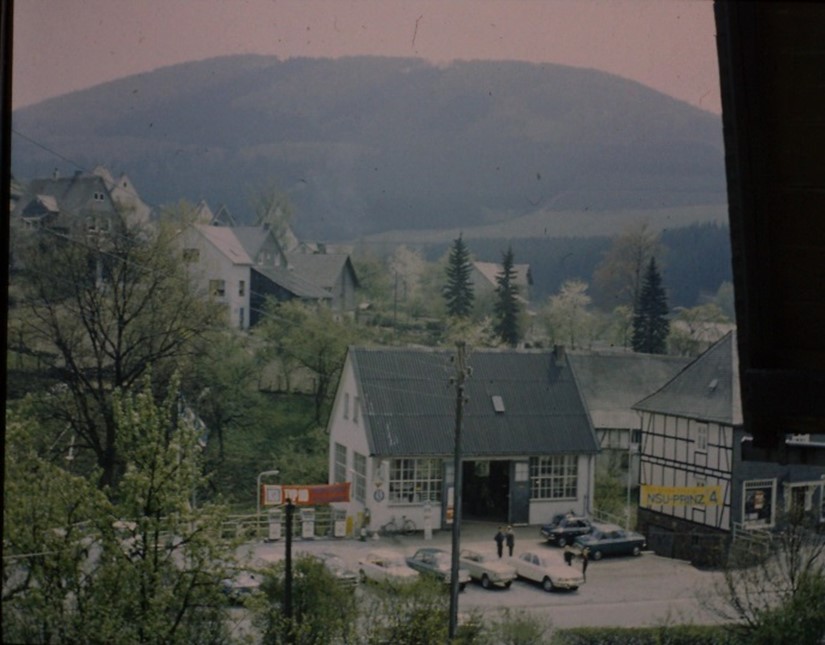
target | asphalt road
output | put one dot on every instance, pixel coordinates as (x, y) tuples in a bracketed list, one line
[(648, 590)]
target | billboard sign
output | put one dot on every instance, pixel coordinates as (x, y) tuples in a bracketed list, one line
[(316, 495), (681, 496)]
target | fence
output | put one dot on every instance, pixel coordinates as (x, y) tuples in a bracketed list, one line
[(252, 526)]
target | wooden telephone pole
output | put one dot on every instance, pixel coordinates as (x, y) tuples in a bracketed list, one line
[(461, 374)]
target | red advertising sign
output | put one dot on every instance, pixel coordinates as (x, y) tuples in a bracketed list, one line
[(276, 494)]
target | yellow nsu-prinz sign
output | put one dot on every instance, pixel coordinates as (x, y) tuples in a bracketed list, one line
[(680, 495)]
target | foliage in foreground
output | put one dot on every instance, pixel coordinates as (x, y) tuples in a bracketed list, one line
[(136, 564), (668, 635)]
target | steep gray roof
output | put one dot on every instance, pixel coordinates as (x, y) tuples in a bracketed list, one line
[(73, 195), (294, 284), (321, 268), (408, 403), (252, 238), (226, 242), (612, 382), (707, 389)]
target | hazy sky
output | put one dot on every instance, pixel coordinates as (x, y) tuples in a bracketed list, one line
[(66, 45)]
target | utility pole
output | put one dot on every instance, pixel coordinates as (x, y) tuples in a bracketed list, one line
[(461, 374), (290, 511)]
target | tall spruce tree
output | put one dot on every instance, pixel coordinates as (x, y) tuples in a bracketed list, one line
[(650, 323), (458, 291), (507, 307)]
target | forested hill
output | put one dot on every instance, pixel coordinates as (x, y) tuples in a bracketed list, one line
[(364, 145)]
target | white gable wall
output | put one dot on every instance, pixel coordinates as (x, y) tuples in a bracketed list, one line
[(212, 265)]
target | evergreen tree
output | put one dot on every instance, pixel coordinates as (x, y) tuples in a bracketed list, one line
[(507, 307), (458, 292), (650, 324)]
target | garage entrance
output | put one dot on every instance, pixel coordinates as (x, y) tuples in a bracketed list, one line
[(486, 490)]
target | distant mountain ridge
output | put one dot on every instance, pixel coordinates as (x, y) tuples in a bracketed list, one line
[(366, 145)]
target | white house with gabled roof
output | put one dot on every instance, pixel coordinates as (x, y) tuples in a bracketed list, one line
[(527, 442)]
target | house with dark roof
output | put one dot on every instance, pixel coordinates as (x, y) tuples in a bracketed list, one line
[(80, 205), (333, 272), (242, 266), (612, 382), (528, 446), (692, 439)]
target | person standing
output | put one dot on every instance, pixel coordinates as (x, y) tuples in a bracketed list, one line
[(511, 540), (568, 556), (585, 554), (499, 538)]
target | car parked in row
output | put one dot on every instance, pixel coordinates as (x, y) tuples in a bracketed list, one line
[(548, 571), (564, 528), (338, 568), (437, 563), (385, 565), (610, 539), (487, 568)]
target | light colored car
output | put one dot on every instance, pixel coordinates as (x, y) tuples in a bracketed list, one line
[(385, 565), (550, 572), (338, 568), (487, 568), (437, 563)]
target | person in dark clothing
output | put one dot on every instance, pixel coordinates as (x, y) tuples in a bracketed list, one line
[(585, 554), (511, 540), (568, 556), (499, 538)]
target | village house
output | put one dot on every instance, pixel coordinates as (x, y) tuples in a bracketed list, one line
[(83, 204), (692, 438), (611, 382), (527, 443)]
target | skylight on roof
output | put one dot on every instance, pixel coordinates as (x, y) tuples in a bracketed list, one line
[(498, 403)]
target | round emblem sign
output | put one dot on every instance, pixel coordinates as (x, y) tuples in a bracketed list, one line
[(378, 495)]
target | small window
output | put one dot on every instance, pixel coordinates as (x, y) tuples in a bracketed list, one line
[(346, 405), (241, 288), (498, 404), (356, 403), (217, 288), (702, 437)]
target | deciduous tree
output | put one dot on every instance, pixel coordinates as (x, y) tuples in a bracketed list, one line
[(107, 308), (566, 315), (618, 277)]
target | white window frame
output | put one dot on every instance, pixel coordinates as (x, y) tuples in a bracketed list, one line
[(359, 476), (340, 463), (554, 477), (701, 444), (415, 481)]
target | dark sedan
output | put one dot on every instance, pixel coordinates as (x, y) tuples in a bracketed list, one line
[(436, 562), (610, 539), (565, 528)]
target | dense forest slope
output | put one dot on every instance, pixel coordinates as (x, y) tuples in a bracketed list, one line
[(365, 145)]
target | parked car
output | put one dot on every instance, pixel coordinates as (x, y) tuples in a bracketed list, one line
[(551, 573), (564, 528), (437, 563), (610, 539), (385, 565), (241, 584), (487, 568), (337, 567)]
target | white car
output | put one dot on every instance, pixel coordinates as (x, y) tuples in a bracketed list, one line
[(487, 568), (550, 572), (385, 565)]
